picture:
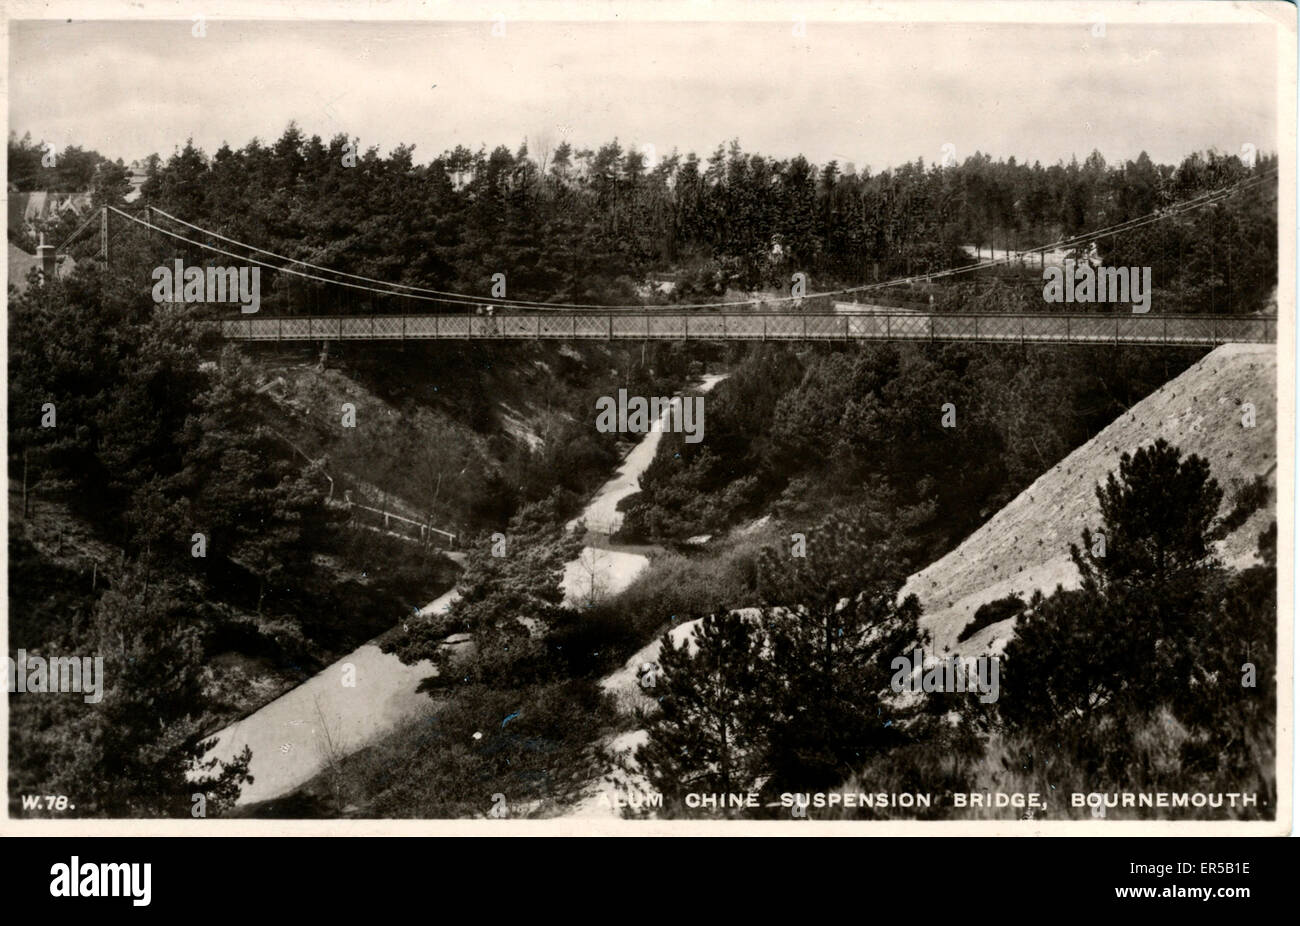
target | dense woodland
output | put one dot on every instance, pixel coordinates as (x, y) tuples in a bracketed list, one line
[(800, 434), (158, 431), (587, 226)]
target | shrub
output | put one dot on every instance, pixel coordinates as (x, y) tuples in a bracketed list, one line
[(990, 613)]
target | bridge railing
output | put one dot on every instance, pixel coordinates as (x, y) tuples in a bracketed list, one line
[(882, 326)]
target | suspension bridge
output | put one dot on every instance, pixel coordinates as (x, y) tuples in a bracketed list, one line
[(746, 320), (1152, 330)]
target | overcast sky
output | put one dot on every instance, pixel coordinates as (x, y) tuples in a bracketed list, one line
[(875, 95)]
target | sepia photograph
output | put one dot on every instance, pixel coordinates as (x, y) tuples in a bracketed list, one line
[(610, 418)]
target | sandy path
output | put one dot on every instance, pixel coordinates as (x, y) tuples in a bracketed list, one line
[(601, 515), (292, 736)]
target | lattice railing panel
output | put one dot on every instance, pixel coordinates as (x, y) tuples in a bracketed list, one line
[(355, 327), (825, 326), (454, 326), (1193, 330), (1087, 328), (632, 326), (1042, 327), (517, 326), (1261, 330), (1000, 328), (555, 326), (784, 326), (706, 326), (746, 327), (388, 327), (664, 326), (298, 329), (962, 328), (590, 326), (424, 326), (869, 326), (909, 326), (1141, 328)]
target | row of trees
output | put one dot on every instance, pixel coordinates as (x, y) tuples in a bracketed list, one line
[(34, 167), (590, 225)]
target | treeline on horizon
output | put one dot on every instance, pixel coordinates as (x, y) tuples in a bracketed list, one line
[(569, 224)]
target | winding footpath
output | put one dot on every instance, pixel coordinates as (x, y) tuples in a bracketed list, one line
[(293, 737)]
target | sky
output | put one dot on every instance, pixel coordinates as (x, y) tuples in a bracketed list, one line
[(875, 95)]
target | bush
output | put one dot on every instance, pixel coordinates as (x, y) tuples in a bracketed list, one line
[(990, 613)]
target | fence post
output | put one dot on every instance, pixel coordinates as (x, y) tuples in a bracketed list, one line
[(574, 319), (887, 334), (764, 327), (537, 327), (1164, 337), (609, 322), (1214, 330), (279, 336), (340, 327), (846, 327)]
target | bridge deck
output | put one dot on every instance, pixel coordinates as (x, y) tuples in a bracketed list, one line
[(1064, 329)]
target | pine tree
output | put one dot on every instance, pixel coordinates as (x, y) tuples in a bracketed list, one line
[(709, 734), (1133, 635), (1157, 516), (506, 603), (833, 636)]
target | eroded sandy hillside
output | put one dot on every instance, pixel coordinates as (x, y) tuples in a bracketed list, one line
[(1025, 546)]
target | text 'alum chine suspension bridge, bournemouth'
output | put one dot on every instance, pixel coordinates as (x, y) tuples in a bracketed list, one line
[(749, 320)]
